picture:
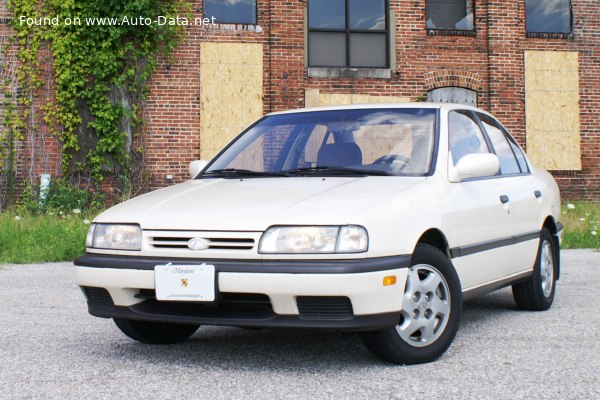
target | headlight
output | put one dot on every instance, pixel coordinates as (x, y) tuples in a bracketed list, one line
[(314, 239), (352, 239), (114, 237)]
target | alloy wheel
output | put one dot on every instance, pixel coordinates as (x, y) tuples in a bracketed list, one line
[(425, 307)]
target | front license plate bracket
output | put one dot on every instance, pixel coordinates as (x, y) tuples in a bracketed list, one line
[(191, 283)]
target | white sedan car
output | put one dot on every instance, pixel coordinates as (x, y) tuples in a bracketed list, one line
[(377, 219)]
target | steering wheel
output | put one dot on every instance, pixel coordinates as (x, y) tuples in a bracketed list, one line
[(392, 158)]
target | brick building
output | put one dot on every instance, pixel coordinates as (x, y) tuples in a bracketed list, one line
[(535, 64)]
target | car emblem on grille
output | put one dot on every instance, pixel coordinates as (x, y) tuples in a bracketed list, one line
[(197, 244)]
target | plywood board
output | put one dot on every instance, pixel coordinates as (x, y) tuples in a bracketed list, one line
[(552, 109), (313, 98), (231, 92)]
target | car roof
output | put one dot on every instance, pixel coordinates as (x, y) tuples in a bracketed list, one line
[(440, 106)]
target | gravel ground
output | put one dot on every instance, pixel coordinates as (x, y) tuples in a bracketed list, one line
[(51, 348)]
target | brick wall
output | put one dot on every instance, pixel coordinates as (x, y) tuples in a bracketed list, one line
[(39, 152), (173, 136), (584, 183), (490, 63)]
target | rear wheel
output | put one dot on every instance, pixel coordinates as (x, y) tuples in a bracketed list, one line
[(431, 309), (537, 293), (155, 332)]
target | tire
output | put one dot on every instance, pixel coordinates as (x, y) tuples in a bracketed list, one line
[(155, 332), (431, 310), (537, 293)]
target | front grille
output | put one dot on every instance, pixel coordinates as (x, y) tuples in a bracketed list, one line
[(98, 296), (246, 299), (231, 306), (214, 242), (330, 307), (146, 294)]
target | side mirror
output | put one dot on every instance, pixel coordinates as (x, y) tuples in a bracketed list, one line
[(474, 165), (197, 166)]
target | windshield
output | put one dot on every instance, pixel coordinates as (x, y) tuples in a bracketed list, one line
[(395, 142)]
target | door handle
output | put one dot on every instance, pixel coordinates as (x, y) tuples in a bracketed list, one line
[(504, 199), (537, 194)]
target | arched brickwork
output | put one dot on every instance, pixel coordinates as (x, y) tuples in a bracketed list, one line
[(453, 77)]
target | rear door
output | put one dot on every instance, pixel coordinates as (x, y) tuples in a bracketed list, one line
[(524, 194)]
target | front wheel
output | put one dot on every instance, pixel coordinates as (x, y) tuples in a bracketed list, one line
[(155, 332), (431, 308), (537, 293)]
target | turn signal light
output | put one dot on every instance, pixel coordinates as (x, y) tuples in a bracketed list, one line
[(389, 280)]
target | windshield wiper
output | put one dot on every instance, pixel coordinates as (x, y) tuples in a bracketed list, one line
[(319, 171), (337, 171), (237, 173)]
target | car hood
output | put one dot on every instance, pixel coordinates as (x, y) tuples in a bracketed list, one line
[(256, 204)]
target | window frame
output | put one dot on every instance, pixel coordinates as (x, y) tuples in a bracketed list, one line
[(549, 34), (474, 115), (511, 144), (453, 31), (232, 23), (347, 31), (494, 150), (437, 134), (468, 114)]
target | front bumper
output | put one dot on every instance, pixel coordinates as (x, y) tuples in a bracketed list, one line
[(322, 294)]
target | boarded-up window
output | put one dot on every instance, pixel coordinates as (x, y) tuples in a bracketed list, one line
[(314, 98), (231, 92), (453, 95), (552, 109)]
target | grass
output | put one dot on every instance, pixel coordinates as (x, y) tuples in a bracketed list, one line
[(42, 238), (581, 221), (45, 238)]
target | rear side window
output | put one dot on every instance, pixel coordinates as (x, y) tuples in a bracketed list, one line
[(503, 149), (464, 135), (518, 153)]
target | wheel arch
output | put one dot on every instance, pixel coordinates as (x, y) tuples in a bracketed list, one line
[(551, 225), (434, 237)]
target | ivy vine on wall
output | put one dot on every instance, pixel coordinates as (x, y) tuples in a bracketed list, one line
[(100, 70)]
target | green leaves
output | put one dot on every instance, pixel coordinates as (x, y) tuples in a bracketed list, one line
[(101, 75)]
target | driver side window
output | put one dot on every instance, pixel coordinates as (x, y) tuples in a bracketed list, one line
[(464, 136)]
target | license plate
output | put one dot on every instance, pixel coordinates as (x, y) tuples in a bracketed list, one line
[(185, 282)]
